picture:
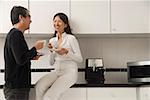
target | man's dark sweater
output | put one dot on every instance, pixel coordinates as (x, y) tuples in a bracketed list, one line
[(17, 60)]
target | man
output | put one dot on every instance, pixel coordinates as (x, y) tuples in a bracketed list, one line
[(17, 56)]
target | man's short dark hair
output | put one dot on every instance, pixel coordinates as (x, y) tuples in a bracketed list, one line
[(16, 11)]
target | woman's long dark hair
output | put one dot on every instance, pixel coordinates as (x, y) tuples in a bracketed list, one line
[(64, 18)]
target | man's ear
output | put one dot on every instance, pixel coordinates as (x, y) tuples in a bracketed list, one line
[(20, 18)]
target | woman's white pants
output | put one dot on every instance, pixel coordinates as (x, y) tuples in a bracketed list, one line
[(54, 84)]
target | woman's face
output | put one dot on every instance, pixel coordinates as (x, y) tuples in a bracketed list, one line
[(59, 25)]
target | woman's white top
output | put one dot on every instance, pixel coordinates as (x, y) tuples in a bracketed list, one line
[(71, 44)]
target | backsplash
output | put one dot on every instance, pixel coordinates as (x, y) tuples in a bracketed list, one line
[(115, 51)]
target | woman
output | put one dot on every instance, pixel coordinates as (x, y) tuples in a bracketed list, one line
[(64, 56)]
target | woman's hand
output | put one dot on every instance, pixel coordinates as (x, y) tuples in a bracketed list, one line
[(62, 51), (50, 46)]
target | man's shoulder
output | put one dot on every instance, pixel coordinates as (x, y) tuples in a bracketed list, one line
[(14, 32)]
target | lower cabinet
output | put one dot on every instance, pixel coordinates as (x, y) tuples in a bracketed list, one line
[(99, 93), (71, 94), (74, 94), (104, 93), (143, 93), (2, 95)]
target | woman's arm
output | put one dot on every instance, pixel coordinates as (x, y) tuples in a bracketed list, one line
[(74, 53)]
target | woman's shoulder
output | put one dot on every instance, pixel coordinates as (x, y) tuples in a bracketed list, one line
[(52, 39), (70, 36)]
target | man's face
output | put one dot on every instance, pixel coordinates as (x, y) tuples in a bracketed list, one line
[(27, 21)]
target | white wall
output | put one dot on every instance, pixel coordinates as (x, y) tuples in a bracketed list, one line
[(2, 53), (115, 51)]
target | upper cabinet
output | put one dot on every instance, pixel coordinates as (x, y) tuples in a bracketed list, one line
[(129, 16), (90, 16), (149, 15), (1, 28), (5, 8), (42, 12), (85, 16)]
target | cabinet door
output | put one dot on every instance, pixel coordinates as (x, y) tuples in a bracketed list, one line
[(143, 93), (2, 79), (129, 16), (5, 8), (1, 14), (90, 16), (42, 13), (1, 83), (2, 94), (149, 16), (74, 94), (111, 93)]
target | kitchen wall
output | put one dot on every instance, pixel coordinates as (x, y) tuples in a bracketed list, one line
[(115, 50), (108, 16)]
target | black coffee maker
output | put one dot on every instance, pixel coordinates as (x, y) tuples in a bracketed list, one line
[(94, 73)]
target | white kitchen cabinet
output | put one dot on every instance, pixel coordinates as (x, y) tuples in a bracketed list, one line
[(2, 95), (90, 16), (74, 94), (1, 14), (143, 93), (111, 93), (2, 79), (129, 16), (42, 13), (149, 15), (5, 9)]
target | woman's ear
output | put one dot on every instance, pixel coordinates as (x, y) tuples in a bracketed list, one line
[(66, 25)]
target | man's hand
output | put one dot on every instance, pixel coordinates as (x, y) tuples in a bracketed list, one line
[(39, 45), (36, 57)]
